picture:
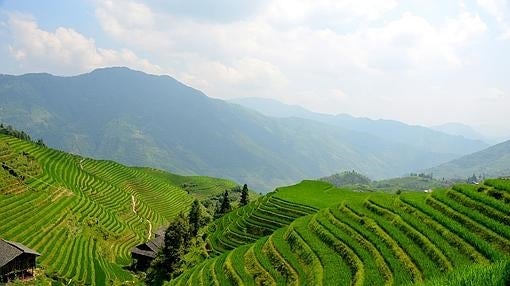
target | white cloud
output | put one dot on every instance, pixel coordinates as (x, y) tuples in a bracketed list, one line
[(64, 50), (328, 11), (494, 93), (329, 55), (505, 35), (495, 8)]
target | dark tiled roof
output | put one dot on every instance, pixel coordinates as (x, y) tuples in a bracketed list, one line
[(147, 253), (155, 245), (23, 248), (161, 231), (10, 250)]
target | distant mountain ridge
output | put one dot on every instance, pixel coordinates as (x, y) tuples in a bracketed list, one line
[(459, 129), (412, 135), (491, 162), (147, 120)]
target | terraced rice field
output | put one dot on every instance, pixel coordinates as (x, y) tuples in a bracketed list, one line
[(246, 225), (357, 238), (82, 215)]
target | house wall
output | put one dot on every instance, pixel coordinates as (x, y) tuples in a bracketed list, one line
[(24, 262)]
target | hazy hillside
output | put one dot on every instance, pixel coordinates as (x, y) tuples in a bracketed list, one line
[(423, 138), (459, 129), (147, 120), (491, 162)]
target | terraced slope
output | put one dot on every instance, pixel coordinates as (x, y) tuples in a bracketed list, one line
[(260, 218), (200, 187), (82, 215), (373, 239)]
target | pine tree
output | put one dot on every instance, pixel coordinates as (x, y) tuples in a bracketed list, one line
[(194, 218), (225, 205), (245, 199), (169, 260)]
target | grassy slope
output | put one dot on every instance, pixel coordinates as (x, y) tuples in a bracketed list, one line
[(370, 238), (200, 187), (78, 212)]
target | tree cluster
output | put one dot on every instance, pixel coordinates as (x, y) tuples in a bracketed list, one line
[(9, 130), (181, 236), (422, 175), (475, 179)]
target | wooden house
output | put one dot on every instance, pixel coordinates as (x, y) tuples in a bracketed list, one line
[(16, 261), (143, 254)]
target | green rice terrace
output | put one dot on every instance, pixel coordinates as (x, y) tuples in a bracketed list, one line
[(82, 215), (315, 234)]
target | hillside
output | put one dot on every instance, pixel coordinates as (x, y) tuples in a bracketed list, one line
[(491, 162), (85, 215), (353, 180), (340, 237), (346, 178), (419, 137), (146, 120)]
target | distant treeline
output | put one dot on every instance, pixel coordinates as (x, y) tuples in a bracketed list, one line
[(9, 130)]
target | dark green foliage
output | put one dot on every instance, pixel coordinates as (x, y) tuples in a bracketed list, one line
[(245, 199), (194, 218), (169, 260), (225, 206)]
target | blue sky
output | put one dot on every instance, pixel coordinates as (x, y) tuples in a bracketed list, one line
[(422, 62)]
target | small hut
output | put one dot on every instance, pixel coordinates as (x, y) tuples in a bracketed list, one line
[(16, 261), (144, 253)]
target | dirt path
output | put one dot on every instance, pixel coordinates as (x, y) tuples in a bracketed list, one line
[(150, 230), (133, 203)]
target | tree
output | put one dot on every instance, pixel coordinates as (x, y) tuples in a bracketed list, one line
[(224, 207), (40, 142), (169, 260), (194, 218), (245, 199)]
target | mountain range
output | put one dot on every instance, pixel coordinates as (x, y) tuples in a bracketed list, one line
[(148, 120), (491, 162), (420, 137)]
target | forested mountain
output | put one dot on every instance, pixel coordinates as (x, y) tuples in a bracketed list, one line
[(141, 119), (491, 162)]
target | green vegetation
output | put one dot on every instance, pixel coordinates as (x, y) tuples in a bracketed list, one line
[(413, 182), (313, 233), (347, 178), (84, 215)]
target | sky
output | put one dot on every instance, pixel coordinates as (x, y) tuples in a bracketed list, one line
[(421, 62)]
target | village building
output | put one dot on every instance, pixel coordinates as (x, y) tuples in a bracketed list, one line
[(145, 253), (16, 261)]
